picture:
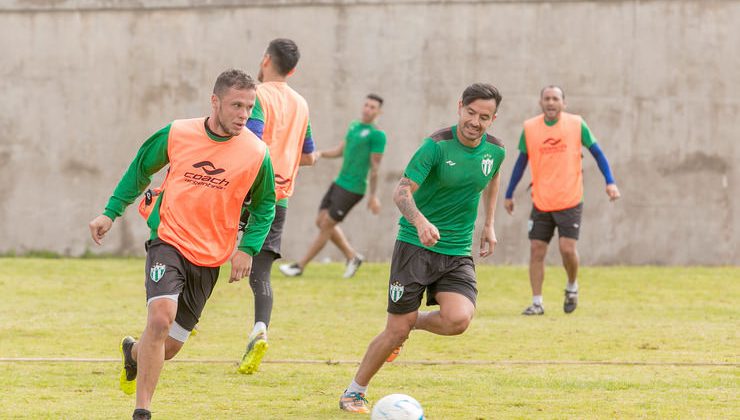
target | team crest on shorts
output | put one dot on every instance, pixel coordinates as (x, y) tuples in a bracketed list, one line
[(157, 272), (486, 164), (395, 290)]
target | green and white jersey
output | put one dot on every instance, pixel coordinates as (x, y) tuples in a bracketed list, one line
[(360, 142), (451, 177)]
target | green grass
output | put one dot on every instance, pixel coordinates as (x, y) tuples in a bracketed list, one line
[(81, 308)]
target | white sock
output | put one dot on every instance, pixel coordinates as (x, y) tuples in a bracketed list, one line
[(355, 387), (572, 287), (537, 300), (259, 326)]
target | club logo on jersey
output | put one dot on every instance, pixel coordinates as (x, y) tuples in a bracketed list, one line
[(208, 180), (364, 132), (451, 163), (157, 272), (395, 290), (486, 165)]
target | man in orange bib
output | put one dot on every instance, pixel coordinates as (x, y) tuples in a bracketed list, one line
[(280, 119), (552, 142), (214, 163)]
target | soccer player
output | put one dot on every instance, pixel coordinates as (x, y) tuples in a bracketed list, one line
[(438, 196), (214, 163), (362, 150), (280, 119), (552, 142)]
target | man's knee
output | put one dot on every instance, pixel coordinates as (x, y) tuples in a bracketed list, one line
[(568, 248), (161, 315), (322, 219), (398, 335), (458, 323), (538, 250), (399, 327)]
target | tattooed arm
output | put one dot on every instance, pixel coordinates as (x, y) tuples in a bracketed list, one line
[(404, 199)]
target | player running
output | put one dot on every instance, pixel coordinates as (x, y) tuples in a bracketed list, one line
[(438, 196), (362, 150), (214, 164), (280, 119)]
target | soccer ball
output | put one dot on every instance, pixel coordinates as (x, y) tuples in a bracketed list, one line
[(397, 407)]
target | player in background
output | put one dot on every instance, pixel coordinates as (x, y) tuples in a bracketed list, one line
[(362, 150), (280, 119), (552, 142), (214, 164), (438, 196)]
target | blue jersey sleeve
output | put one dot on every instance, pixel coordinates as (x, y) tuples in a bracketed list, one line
[(517, 173), (600, 157), (256, 126)]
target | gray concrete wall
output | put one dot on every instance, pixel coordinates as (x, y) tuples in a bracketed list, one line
[(84, 83)]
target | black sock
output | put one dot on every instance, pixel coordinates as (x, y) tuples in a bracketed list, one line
[(259, 280)]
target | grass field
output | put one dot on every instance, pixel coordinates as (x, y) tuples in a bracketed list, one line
[(678, 328)]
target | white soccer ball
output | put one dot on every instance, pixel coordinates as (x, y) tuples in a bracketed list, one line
[(397, 407)]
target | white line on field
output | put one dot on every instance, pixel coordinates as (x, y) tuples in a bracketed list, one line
[(353, 362)]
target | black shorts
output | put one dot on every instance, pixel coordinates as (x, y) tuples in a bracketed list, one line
[(542, 223), (415, 269), (275, 236), (170, 275), (339, 202)]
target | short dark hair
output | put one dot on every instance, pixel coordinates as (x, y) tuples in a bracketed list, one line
[(284, 54), (483, 91), (233, 78), (375, 97), (562, 92)]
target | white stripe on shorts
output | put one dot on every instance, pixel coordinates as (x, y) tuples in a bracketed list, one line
[(170, 297), (179, 333)]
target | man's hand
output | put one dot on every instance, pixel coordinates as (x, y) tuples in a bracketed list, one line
[(428, 233), (613, 192), (241, 266), (509, 205), (487, 241), (374, 205), (99, 227)]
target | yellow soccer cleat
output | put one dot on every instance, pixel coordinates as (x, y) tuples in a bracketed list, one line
[(128, 371), (255, 352)]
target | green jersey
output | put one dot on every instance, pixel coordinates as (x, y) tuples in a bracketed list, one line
[(360, 142), (152, 156), (587, 137), (451, 177)]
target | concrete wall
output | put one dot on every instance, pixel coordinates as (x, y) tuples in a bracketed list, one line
[(84, 83)]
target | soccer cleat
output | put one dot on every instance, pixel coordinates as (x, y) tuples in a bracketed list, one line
[(141, 414), (128, 372), (534, 309), (291, 270), (354, 402), (256, 350), (393, 354), (571, 301), (353, 265)]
